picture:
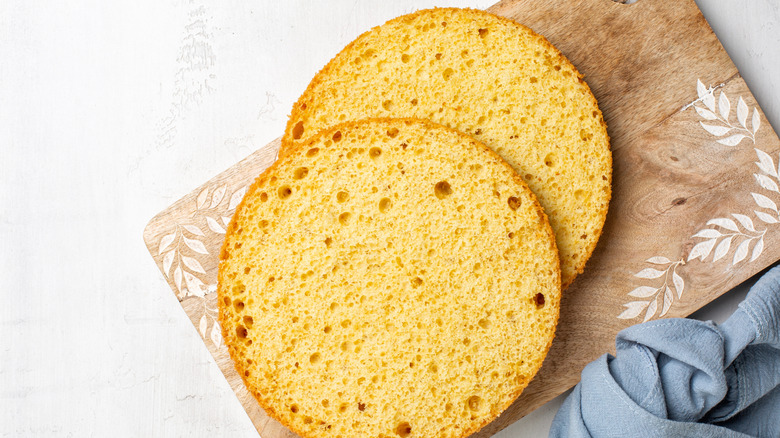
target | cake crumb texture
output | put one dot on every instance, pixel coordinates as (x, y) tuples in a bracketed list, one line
[(388, 278)]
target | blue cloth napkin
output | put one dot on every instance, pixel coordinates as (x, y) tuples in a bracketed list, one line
[(686, 378)]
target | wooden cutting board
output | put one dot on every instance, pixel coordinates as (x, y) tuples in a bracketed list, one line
[(695, 189)]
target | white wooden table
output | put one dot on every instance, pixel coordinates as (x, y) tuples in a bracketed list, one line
[(109, 112)]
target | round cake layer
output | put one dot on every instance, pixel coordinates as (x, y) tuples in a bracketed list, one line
[(388, 277), (493, 79)]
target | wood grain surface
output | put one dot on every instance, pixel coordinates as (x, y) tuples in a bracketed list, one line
[(685, 160)]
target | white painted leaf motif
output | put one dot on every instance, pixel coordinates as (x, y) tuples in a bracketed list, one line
[(715, 130), (741, 252), (659, 260), (214, 225), (236, 198), (709, 100), (722, 249), (643, 292), (177, 277), (194, 285), (216, 198), (768, 218), (764, 202), (165, 242), (746, 222), (731, 141), (200, 201), (651, 309), (758, 249), (701, 90), (766, 182), (724, 106), (742, 112), (679, 284), (195, 245), (216, 334), (756, 121), (649, 273), (724, 222), (203, 325), (765, 163), (225, 220), (668, 300), (708, 233), (193, 229), (192, 264), (702, 249), (168, 261), (633, 309), (705, 113)]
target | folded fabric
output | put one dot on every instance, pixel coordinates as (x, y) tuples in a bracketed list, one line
[(686, 378)]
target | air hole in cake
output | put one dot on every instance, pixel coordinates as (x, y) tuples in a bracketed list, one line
[(284, 192), (442, 189), (264, 196), (392, 132), (384, 204), (297, 131), (336, 136), (482, 32), (325, 403), (374, 152), (342, 196), (315, 358), (417, 282), (238, 305), (534, 79), (241, 332), (413, 102), (539, 300), (301, 172), (361, 407), (404, 58), (484, 323), (514, 203), (327, 329), (344, 218), (248, 321), (328, 241), (403, 429), (387, 105), (474, 403), (550, 160), (312, 152)]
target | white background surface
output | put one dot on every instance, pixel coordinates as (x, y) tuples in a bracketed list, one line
[(111, 111)]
